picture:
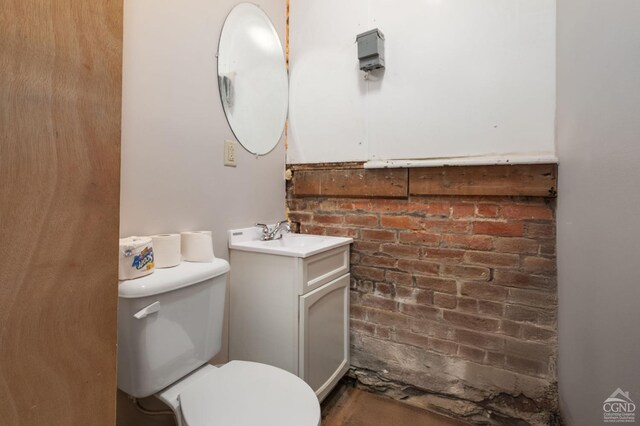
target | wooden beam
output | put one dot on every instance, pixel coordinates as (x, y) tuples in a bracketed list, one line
[(387, 183), (537, 180)]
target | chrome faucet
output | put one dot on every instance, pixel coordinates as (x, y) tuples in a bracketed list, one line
[(270, 233)]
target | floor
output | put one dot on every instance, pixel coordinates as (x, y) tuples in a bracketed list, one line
[(345, 406), (348, 406)]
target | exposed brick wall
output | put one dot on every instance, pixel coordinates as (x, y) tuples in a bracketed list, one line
[(453, 298)]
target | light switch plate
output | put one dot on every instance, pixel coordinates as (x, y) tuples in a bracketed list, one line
[(230, 153)]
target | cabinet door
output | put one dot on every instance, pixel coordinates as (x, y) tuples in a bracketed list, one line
[(324, 335)]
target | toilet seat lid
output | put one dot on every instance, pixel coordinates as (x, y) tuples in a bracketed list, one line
[(243, 393)]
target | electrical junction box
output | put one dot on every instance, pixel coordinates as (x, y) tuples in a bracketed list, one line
[(371, 50)]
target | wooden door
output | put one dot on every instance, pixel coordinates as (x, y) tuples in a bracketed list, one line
[(60, 96)]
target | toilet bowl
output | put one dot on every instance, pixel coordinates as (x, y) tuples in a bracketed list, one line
[(170, 326), (242, 393)]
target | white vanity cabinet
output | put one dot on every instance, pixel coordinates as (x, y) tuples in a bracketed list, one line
[(291, 311)]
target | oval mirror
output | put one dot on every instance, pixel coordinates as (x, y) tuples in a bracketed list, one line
[(252, 78)]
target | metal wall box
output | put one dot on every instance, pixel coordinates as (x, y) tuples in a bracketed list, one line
[(371, 50)]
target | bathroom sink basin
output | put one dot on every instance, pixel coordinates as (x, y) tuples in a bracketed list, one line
[(295, 245)]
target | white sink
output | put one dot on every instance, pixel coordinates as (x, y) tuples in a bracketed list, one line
[(295, 245)]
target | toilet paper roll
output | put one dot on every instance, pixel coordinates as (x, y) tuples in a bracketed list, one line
[(197, 246), (136, 258), (166, 249)]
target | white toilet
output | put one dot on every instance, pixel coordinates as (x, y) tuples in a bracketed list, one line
[(170, 326)]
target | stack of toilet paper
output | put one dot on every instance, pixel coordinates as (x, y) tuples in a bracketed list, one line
[(140, 255), (136, 258)]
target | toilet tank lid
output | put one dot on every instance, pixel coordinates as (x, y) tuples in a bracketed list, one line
[(168, 279)]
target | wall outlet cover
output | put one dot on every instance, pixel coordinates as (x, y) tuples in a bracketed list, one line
[(230, 153)]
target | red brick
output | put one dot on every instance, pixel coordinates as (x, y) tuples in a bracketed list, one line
[(490, 308), (475, 273), (388, 206), (378, 235), (471, 321), (400, 250), (473, 242), (442, 300), (527, 366), (417, 237), (531, 332), (383, 289), (480, 340), (351, 205), (303, 217), (418, 266), (492, 259), (420, 311), (540, 230), (341, 232), (399, 278), (441, 285), (362, 286), (510, 328), (362, 327), (544, 317), (516, 245), (430, 208), (372, 301), (443, 254), (364, 272), (325, 219), (523, 280), (499, 229), (361, 220), (467, 305), (432, 329), (534, 212), (311, 229), (548, 248), (446, 226), (366, 246), (540, 265), (412, 339), (379, 261), (471, 354), (529, 350), (383, 332), (357, 312), (387, 319), (496, 359), (521, 313), (414, 296), (540, 299), (443, 346), (327, 205), (487, 210), (402, 222), (463, 210)]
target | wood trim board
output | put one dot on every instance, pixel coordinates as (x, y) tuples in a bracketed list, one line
[(352, 180)]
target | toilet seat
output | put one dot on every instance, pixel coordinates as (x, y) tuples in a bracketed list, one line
[(243, 393)]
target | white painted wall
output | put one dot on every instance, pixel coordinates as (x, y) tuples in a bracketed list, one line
[(173, 128), (598, 205), (463, 78)]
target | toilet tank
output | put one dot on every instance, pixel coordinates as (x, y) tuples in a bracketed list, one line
[(169, 324)]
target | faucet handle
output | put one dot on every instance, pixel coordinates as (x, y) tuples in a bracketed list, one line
[(265, 230)]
